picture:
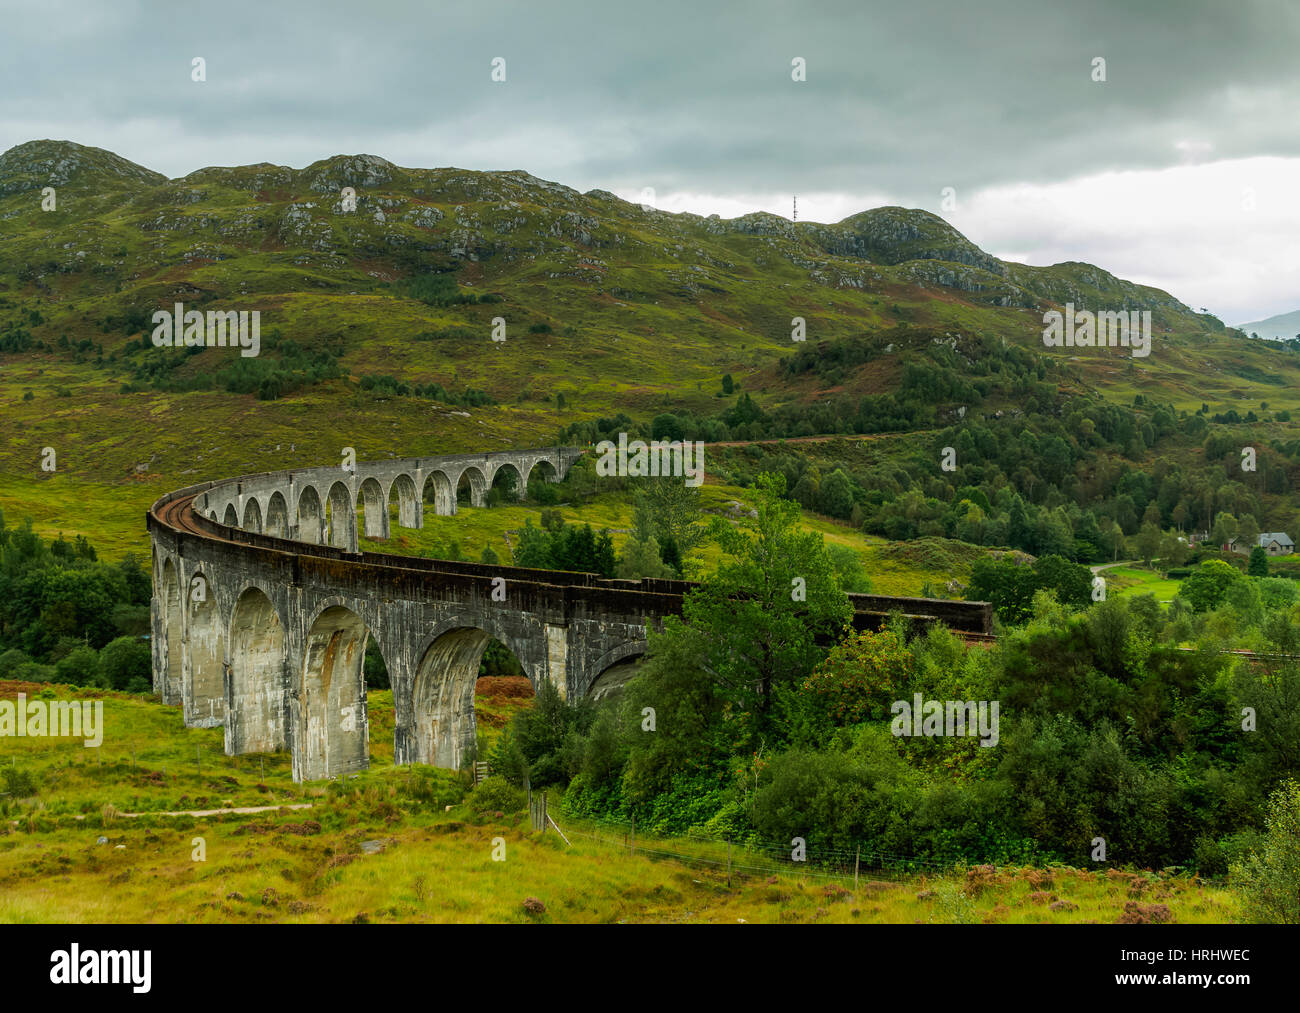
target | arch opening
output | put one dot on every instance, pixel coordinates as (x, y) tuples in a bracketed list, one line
[(339, 521), (277, 516), (252, 516), (231, 517), (539, 483), (438, 494), (402, 503), (309, 516), (507, 486), (471, 488), (372, 513), (458, 665), (445, 731), (542, 471), (257, 677), (611, 682)]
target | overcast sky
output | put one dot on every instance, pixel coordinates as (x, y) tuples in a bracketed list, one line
[(1180, 170)]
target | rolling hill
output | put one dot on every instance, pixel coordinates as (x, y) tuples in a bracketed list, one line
[(617, 307)]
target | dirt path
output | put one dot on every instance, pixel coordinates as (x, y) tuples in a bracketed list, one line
[(242, 810)]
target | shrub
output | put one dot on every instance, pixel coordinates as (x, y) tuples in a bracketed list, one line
[(80, 667), (1269, 880), (436, 290), (496, 793), (125, 659), (17, 782), (10, 661), (1215, 858)]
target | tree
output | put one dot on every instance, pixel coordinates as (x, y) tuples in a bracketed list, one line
[(666, 427), (535, 546), (694, 729), (1147, 542), (1019, 532), (728, 384), (761, 613), (80, 667), (1270, 881), (1205, 588), (807, 490), (1224, 530), (836, 495), (124, 660), (668, 510), (1173, 550), (1113, 537), (1247, 530), (1258, 565), (641, 559), (548, 734), (1071, 582), (861, 676), (1008, 586), (848, 568)]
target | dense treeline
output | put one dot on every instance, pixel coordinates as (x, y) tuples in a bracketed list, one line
[(67, 617), (1057, 474), (758, 717), (557, 545), (390, 385)]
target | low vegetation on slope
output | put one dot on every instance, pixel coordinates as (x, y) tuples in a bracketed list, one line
[(385, 847)]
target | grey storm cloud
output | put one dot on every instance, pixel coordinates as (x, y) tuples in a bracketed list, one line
[(899, 97)]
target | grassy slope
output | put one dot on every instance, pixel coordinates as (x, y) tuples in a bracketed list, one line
[(436, 865)]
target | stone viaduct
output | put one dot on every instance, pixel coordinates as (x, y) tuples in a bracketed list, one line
[(263, 607)]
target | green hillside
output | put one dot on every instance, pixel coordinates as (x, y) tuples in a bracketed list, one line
[(609, 308)]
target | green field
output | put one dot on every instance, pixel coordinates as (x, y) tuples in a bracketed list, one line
[(428, 854), (1129, 580)]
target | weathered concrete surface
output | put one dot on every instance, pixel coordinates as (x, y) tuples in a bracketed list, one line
[(263, 629)]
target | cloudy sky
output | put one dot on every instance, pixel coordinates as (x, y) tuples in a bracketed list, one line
[(1181, 169)]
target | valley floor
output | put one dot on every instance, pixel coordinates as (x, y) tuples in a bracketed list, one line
[(399, 845)]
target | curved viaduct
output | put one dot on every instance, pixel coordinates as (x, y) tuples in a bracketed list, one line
[(263, 607)]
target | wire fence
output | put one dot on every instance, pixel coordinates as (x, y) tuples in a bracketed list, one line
[(749, 857)]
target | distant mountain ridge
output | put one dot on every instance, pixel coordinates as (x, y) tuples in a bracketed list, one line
[(622, 306), (902, 245), (1284, 325)]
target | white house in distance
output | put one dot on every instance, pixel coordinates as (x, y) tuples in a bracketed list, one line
[(1275, 543)]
